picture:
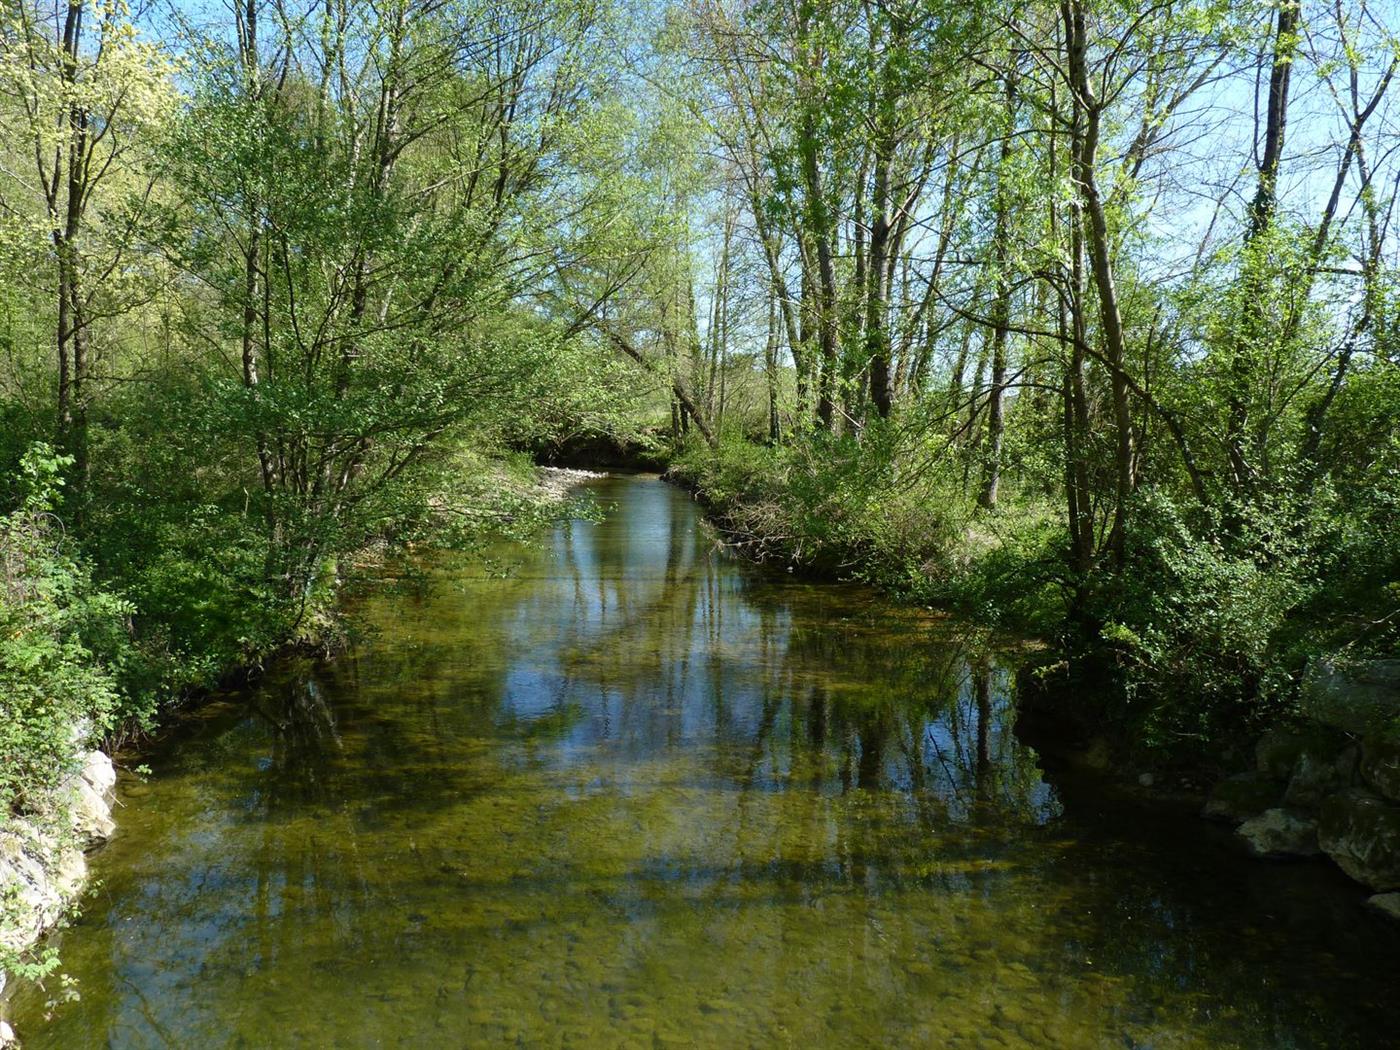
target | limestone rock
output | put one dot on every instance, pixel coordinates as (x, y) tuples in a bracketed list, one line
[(99, 772), (89, 799), (1388, 904), (1364, 698), (42, 864), (1361, 832), (1280, 833), (92, 816), (71, 872), (1380, 767), (1320, 771), (1277, 752), (1242, 796), (28, 862)]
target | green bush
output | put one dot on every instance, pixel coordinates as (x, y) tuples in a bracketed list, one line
[(1201, 636), (1201, 620), (63, 642)]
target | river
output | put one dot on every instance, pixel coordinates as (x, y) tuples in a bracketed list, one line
[(621, 789)]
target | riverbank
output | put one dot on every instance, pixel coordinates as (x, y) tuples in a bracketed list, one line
[(1317, 776), (43, 865), (43, 846)]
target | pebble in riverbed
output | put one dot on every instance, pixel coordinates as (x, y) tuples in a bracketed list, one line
[(557, 482)]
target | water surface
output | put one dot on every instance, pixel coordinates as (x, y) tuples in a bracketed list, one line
[(637, 793)]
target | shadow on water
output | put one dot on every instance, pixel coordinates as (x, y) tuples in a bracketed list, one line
[(638, 793)]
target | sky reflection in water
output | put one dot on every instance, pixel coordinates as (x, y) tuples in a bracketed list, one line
[(640, 794)]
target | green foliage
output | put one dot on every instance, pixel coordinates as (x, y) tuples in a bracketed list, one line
[(1199, 622), (63, 642), (857, 511)]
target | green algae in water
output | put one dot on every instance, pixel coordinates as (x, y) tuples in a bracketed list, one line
[(638, 794)]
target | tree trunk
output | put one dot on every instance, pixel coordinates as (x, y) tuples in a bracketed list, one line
[(1261, 216), (818, 235), (1073, 340), (877, 342), (1099, 249), (1001, 316), (770, 367)]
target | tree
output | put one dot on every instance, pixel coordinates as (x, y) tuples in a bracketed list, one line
[(85, 92)]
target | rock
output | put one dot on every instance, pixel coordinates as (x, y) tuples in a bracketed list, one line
[(90, 799), (42, 864), (1380, 767), (1280, 833), (1277, 752), (1387, 904), (1361, 832), (71, 872), (92, 816), (1242, 796), (1145, 780), (1362, 698), (7, 1034), (99, 772), (1320, 771)]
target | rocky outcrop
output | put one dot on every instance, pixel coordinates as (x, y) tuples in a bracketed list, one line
[(1280, 833), (1361, 832), (1361, 698), (90, 799), (1388, 904), (1329, 783), (1278, 751), (1380, 768), (1319, 772), (42, 862)]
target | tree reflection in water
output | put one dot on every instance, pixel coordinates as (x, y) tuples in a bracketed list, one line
[(640, 793)]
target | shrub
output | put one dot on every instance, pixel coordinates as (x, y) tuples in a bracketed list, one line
[(62, 642)]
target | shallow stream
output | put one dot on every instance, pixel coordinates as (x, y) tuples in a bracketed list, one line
[(620, 789)]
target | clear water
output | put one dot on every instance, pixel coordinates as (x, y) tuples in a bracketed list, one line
[(640, 794)]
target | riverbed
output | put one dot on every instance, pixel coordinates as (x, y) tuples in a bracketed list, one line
[(618, 788)]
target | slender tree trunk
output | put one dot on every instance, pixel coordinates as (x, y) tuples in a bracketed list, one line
[(1372, 299), (818, 235), (879, 274), (1099, 249), (1073, 340), (1250, 330), (253, 246), (1001, 315), (72, 331), (807, 364), (770, 368), (877, 341)]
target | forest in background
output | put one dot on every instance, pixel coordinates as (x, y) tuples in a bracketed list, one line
[(1079, 318)]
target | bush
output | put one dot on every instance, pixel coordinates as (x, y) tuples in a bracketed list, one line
[(1201, 620), (62, 642)]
